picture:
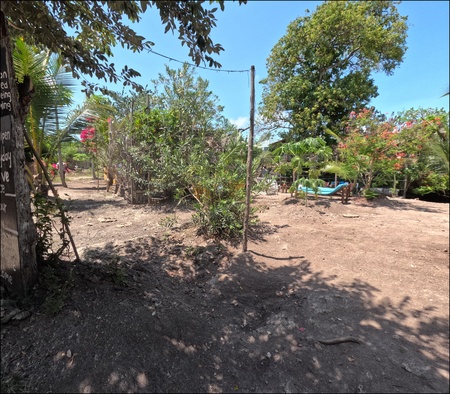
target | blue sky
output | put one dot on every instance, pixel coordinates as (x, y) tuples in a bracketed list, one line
[(249, 32)]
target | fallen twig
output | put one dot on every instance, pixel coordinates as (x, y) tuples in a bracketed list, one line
[(336, 341)]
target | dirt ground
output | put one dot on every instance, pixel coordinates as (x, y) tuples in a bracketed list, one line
[(330, 297)]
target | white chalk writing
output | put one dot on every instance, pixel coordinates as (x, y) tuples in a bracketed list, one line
[(5, 176), (5, 136), (7, 277), (5, 157)]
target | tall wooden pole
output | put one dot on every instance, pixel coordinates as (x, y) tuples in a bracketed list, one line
[(132, 144), (18, 234), (248, 184), (64, 220)]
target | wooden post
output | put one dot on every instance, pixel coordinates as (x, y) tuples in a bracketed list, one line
[(18, 232), (394, 191), (248, 184), (55, 194), (62, 172), (405, 183), (132, 191)]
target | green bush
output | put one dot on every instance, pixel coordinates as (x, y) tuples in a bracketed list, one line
[(45, 214), (433, 183), (370, 194), (224, 219)]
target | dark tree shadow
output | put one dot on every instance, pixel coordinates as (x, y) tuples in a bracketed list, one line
[(152, 315)]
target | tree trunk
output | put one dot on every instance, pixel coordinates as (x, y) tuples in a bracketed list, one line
[(93, 168), (18, 232), (248, 183), (62, 167), (405, 184)]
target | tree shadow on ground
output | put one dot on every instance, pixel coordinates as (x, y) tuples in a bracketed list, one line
[(90, 204), (154, 315), (391, 203), (395, 204), (80, 205)]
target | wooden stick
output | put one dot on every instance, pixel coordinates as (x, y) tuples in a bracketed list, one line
[(55, 193), (336, 341), (248, 183)]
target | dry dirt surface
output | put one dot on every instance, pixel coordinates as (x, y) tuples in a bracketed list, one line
[(330, 297)]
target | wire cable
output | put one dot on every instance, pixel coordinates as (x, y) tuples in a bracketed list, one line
[(194, 65)]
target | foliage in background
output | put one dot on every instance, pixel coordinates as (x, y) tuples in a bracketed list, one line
[(180, 144), (429, 173), (308, 155), (412, 146), (73, 153), (369, 149), (306, 183), (184, 117), (96, 134)]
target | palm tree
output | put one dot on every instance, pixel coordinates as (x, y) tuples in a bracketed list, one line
[(53, 85), (29, 62)]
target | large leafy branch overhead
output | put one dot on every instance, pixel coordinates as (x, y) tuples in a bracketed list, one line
[(101, 25)]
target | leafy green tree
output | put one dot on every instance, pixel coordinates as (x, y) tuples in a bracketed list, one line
[(73, 152), (196, 107), (321, 69), (412, 146), (95, 131), (369, 147), (181, 145), (184, 116), (425, 135), (101, 25)]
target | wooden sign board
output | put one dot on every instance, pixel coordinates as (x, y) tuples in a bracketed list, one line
[(10, 258), (18, 232)]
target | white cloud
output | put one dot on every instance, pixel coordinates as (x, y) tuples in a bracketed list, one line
[(241, 123)]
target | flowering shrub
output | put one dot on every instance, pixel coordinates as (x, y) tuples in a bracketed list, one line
[(87, 134), (87, 137), (376, 148)]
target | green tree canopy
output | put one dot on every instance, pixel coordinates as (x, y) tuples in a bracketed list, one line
[(321, 69), (101, 25), (182, 128)]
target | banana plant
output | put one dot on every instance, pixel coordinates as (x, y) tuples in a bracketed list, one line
[(306, 183), (311, 153)]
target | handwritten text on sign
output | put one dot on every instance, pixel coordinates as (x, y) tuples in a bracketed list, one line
[(10, 258), (5, 94)]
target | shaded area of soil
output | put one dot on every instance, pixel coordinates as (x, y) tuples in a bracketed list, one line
[(152, 307)]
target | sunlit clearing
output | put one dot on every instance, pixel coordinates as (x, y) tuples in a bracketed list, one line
[(371, 323)]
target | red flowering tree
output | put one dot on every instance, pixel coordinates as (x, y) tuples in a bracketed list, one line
[(370, 147), (87, 137), (380, 149), (89, 140)]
